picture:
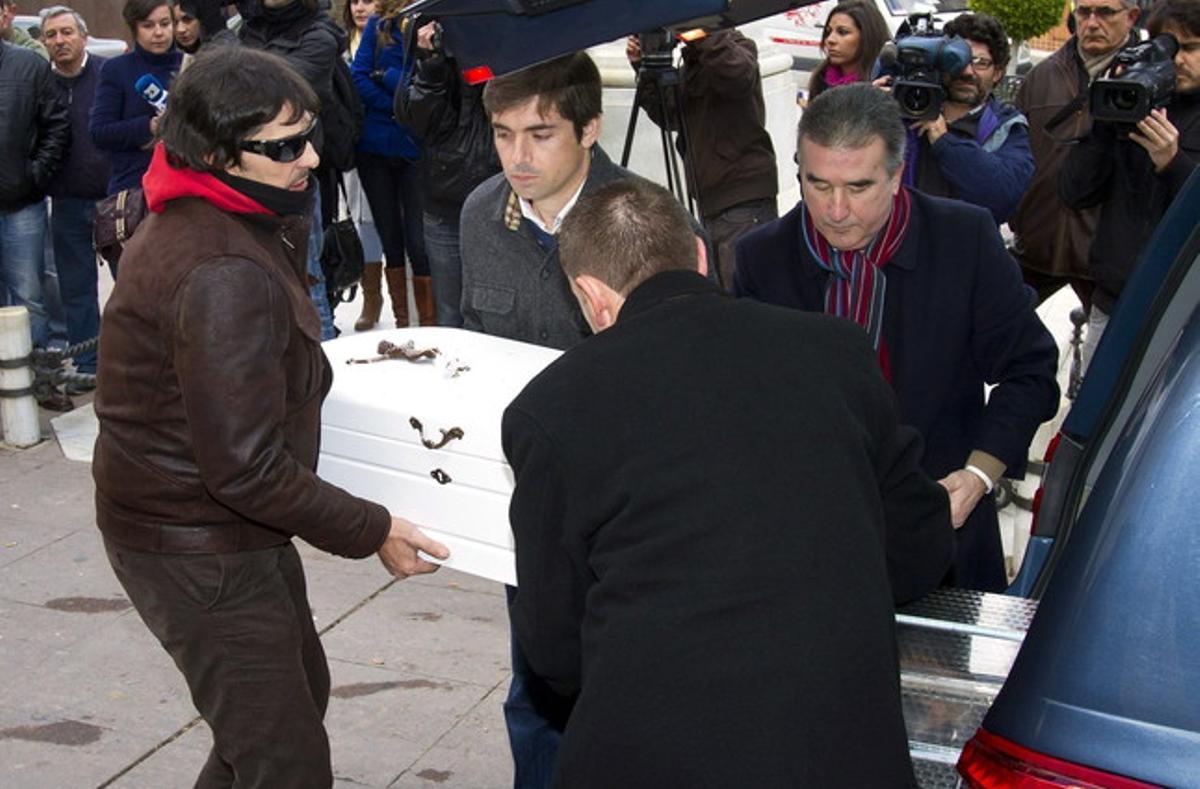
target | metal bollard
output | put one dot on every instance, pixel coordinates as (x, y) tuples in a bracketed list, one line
[(18, 408)]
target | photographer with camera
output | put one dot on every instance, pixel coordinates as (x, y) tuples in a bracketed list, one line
[(976, 149), (1133, 172), (438, 106), (724, 116), (1052, 238)]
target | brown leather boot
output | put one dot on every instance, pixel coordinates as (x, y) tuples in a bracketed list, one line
[(423, 296), (372, 304), (398, 293)]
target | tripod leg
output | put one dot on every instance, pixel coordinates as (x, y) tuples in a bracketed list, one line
[(634, 108)]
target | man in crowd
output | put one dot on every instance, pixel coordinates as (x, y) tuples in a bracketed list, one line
[(977, 149), (545, 121), (1133, 175), (15, 35), (724, 116), (447, 114), (705, 630), (79, 184), (34, 137), (930, 281), (1052, 240), (302, 33)]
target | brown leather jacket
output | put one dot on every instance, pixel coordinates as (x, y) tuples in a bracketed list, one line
[(210, 388), (1052, 238)]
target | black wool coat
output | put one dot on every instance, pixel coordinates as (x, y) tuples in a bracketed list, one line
[(957, 317), (710, 537)]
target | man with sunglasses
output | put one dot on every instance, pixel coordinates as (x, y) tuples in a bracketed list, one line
[(977, 149), (210, 388), (1052, 240)]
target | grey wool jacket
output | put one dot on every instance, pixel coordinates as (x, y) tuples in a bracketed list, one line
[(511, 286)]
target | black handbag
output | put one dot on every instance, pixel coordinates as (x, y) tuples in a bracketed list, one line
[(117, 216), (341, 252)]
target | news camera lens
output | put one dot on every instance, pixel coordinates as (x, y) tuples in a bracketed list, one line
[(1125, 100), (916, 101)]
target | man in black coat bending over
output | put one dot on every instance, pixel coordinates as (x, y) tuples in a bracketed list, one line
[(711, 532)]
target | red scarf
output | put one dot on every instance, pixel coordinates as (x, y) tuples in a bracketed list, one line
[(857, 286)]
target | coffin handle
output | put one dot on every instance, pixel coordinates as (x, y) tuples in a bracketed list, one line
[(452, 434)]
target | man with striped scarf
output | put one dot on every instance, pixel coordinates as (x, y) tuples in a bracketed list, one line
[(942, 301)]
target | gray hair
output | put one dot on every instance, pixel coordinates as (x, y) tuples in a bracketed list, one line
[(47, 14), (852, 116)]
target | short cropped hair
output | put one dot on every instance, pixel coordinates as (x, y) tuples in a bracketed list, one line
[(137, 10), (1182, 14), (852, 117), (227, 94), (46, 14), (626, 232), (569, 84), (985, 29)]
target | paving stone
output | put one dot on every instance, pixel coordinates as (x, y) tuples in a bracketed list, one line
[(438, 632), (79, 567), (50, 752)]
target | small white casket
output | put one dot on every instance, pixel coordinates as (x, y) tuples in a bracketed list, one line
[(423, 438)]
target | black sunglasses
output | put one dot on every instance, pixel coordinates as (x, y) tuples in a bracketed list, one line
[(285, 149)]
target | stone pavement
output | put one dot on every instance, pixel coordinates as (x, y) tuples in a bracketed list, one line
[(88, 698)]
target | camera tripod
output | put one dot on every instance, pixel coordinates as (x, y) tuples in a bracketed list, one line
[(657, 70)]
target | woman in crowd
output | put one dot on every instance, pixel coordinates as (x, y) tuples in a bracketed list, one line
[(125, 117), (355, 14), (388, 156), (854, 33)]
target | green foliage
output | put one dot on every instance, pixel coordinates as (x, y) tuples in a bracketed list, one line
[(1022, 19)]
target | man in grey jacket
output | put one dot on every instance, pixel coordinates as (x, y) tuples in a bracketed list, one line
[(545, 122)]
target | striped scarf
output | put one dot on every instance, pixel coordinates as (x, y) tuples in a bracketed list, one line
[(858, 285)]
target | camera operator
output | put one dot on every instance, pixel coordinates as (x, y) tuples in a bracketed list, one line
[(724, 114), (1133, 174), (438, 106), (1052, 239), (976, 149)]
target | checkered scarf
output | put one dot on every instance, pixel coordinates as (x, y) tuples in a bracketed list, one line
[(858, 285)]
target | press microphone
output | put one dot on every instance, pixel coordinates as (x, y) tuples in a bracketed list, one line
[(885, 64), (152, 91), (888, 55)]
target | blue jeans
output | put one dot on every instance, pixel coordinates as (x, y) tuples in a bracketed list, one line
[(533, 737), (320, 298), (71, 220), (22, 260), (445, 266), (51, 297)]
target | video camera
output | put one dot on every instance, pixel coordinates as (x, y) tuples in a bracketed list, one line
[(657, 46), (1140, 78), (919, 61)]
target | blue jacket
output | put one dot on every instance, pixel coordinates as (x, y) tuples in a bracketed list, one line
[(382, 134), (957, 316), (120, 122), (983, 159), (86, 170)]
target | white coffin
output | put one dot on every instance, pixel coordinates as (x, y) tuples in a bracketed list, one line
[(370, 448)]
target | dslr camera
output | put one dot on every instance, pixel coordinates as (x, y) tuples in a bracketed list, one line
[(1140, 78), (919, 62)]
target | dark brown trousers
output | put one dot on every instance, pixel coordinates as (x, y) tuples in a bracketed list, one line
[(239, 627)]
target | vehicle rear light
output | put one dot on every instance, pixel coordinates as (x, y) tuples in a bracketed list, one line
[(992, 762), (477, 75), (1036, 506)]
